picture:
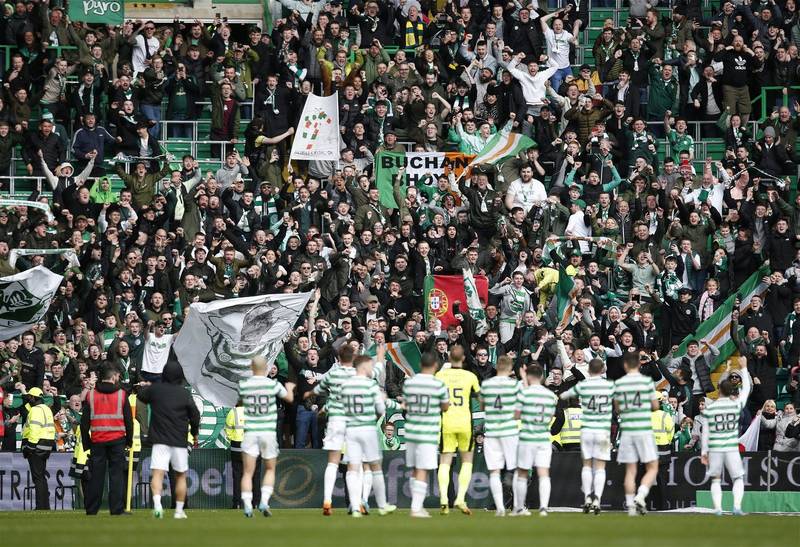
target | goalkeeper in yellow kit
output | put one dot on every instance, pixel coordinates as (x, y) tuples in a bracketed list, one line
[(462, 386)]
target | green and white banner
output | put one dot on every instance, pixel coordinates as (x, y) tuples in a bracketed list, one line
[(108, 12), (24, 299), (219, 339), (45, 208)]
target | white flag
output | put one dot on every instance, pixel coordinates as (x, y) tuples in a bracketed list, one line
[(25, 297), (218, 340), (317, 133), (474, 303)]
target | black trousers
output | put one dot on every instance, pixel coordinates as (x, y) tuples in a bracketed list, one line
[(107, 457), (237, 468), (37, 462)]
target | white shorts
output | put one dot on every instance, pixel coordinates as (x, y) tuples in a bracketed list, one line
[(261, 444), (730, 460), (362, 445), (596, 445), (334, 434), (500, 452), (637, 448), (163, 455), (530, 455), (421, 456)]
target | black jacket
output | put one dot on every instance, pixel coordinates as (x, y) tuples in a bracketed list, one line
[(172, 409), (105, 387)]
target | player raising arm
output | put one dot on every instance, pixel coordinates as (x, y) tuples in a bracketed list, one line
[(635, 398), (260, 395), (425, 398), (596, 395), (720, 444), (501, 435), (462, 386), (536, 406), (331, 385), (363, 402)]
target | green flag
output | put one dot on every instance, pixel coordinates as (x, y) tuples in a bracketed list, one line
[(717, 328), (405, 356), (108, 12), (564, 297)]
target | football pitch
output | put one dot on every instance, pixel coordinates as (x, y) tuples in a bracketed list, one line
[(305, 527)]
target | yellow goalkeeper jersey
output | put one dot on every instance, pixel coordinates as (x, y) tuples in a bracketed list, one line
[(462, 386)]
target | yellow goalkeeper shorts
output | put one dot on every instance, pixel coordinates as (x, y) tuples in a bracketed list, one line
[(456, 441)]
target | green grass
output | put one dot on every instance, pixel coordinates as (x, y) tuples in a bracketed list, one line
[(291, 527)]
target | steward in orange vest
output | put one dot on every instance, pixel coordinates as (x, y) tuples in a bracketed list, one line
[(106, 430)]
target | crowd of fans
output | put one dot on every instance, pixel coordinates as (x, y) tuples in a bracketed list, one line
[(654, 237)]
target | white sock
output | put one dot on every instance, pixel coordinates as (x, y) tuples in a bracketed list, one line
[(599, 483), (379, 487), (629, 500), (738, 493), (353, 479), (157, 502), (496, 488), (366, 485), (418, 491), (716, 494), (586, 481), (520, 491), (329, 481), (247, 500), (544, 492), (643, 491), (266, 493), (179, 506)]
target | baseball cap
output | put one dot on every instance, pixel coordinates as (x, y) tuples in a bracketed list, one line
[(35, 392), (372, 298)]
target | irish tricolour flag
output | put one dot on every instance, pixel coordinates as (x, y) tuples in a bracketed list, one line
[(717, 328), (502, 146), (405, 356)]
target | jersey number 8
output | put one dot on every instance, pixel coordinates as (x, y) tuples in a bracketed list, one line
[(258, 404)]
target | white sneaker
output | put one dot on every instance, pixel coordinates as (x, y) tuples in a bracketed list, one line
[(521, 513), (640, 505), (543, 512), (421, 514), (500, 513), (180, 515), (632, 511)]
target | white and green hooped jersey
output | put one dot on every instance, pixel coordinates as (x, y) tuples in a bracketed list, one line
[(538, 405), (260, 397), (596, 396), (424, 395), (361, 400), (331, 385), (634, 393), (723, 424), (499, 396)]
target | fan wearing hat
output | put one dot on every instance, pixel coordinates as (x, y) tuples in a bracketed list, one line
[(142, 183), (38, 440)]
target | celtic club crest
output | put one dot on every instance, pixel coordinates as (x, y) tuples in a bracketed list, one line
[(438, 303), (19, 306)]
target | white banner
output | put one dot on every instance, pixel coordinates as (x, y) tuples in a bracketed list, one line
[(25, 298), (317, 134), (15, 479), (218, 340)]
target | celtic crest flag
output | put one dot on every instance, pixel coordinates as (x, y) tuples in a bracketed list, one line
[(25, 297), (219, 339), (109, 12), (473, 301), (317, 136)]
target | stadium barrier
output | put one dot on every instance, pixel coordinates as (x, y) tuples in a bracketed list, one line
[(300, 477)]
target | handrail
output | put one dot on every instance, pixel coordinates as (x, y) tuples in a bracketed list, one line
[(11, 49), (763, 97)]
